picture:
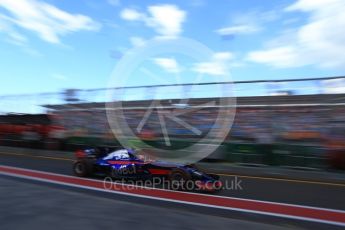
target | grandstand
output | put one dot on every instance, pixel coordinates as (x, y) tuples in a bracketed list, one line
[(302, 125)]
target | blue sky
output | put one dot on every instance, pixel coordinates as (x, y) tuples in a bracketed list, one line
[(48, 46)]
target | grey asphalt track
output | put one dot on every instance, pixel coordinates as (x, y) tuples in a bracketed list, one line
[(79, 209), (284, 191), (31, 206)]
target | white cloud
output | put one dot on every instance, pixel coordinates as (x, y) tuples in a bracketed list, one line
[(218, 65), (16, 38), (13, 36), (311, 5), (48, 21), (238, 29), (166, 20), (333, 86), (137, 41), (248, 23), (319, 42), (132, 15), (59, 77), (168, 64), (212, 68), (197, 3), (223, 56), (114, 2), (282, 57)]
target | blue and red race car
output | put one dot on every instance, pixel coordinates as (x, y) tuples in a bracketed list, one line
[(127, 164)]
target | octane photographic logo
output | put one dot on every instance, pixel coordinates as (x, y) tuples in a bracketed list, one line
[(109, 183), (170, 112)]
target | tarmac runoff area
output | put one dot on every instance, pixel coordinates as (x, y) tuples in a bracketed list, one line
[(321, 193), (33, 206)]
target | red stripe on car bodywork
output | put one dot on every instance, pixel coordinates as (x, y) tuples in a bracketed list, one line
[(159, 171)]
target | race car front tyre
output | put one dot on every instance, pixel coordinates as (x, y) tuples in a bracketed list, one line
[(181, 180), (82, 168), (214, 176)]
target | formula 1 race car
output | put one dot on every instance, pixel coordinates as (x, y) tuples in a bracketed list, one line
[(127, 164)]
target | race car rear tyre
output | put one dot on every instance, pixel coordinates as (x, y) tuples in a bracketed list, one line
[(82, 168), (180, 180)]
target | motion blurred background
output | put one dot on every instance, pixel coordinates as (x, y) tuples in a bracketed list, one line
[(298, 123), (286, 59)]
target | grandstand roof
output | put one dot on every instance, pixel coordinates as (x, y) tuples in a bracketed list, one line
[(25, 119), (242, 102)]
